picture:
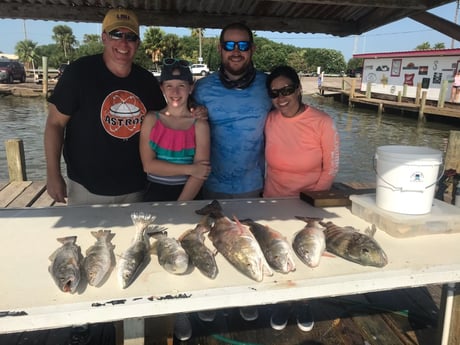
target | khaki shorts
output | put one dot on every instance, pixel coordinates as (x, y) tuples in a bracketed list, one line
[(79, 195)]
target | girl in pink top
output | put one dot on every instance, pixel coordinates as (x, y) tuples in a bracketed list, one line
[(302, 143)]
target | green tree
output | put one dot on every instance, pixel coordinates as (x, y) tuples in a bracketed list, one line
[(423, 46), (330, 60), (25, 50), (91, 45), (64, 38), (439, 45), (152, 43), (170, 45), (354, 63)]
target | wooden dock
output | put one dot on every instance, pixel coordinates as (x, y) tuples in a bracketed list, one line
[(420, 107)]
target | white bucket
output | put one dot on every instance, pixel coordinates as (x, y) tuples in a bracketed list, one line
[(406, 178)]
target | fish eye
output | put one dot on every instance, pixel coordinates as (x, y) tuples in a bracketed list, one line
[(365, 250)]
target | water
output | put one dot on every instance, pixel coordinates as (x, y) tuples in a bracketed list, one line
[(361, 132)]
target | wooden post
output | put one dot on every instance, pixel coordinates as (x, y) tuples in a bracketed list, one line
[(442, 94), (421, 110), (418, 93), (45, 76), (368, 90), (404, 93), (352, 92), (380, 109), (16, 160), (399, 97), (452, 160)]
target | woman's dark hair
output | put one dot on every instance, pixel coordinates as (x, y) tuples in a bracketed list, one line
[(283, 71)]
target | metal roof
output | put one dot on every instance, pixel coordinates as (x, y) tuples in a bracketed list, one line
[(339, 18), (411, 53)]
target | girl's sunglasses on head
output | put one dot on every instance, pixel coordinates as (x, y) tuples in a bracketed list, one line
[(284, 91), (178, 62), (242, 45)]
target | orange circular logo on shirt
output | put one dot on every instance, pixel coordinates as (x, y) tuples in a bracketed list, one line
[(122, 113)]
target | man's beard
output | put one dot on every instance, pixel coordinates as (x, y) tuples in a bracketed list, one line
[(236, 72)]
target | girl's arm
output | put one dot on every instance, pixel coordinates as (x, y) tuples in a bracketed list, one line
[(201, 164)]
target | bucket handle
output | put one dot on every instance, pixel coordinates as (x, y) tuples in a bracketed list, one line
[(400, 188)]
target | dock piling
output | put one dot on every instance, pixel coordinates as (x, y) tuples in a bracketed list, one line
[(16, 160)]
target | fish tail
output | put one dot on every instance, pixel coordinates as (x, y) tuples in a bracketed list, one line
[(142, 220), (311, 221), (213, 209), (67, 239)]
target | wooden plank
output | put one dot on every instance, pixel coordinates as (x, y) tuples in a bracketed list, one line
[(12, 191), (44, 200), (30, 195)]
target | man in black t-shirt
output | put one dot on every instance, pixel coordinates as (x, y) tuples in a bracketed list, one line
[(95, 115)]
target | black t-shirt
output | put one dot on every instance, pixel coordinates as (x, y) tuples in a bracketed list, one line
[(101, 147)]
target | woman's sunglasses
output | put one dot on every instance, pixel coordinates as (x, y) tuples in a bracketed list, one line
[(242, 45), (284, 91), (118, 35), (174, 62)]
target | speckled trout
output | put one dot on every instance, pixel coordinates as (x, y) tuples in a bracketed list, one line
[(236, 243)]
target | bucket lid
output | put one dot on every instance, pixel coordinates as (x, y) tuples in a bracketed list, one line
[(409, 153)]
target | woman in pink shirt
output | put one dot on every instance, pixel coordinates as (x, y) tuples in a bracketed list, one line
[(302, 154), (302, 143)]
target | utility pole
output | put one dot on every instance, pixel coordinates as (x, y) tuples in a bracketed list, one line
[(455, 21), (200, 58), (25, 30)]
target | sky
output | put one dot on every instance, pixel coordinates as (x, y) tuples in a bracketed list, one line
[(401, 35)]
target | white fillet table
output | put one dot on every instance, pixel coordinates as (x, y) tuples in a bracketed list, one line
[(29, 294)]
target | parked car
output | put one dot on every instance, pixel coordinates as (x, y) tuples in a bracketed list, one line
[(199, 69), (11, 71)]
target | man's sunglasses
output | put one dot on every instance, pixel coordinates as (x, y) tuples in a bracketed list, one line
[(243, 46), (176, 62), (118, 35), (284, 91)]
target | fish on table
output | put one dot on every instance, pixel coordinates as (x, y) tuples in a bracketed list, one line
[(65, 264), (171, 256), (309, 243), (274, 245), (200, 255), (134, 259), (236, 243), (99, 259), (353, 245)]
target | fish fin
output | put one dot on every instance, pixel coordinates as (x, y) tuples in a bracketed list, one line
[(328, 255), (153, 229), (370, 231), (213, 209), (247, 221)]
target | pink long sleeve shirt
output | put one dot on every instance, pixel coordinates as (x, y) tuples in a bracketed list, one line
[(302, 153)]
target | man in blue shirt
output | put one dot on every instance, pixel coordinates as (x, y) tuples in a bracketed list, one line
[(237, 103)]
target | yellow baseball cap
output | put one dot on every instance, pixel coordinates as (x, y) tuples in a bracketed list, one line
[(120, 18)]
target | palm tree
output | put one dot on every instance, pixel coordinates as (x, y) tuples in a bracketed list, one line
[(25, 50), (64, 38)]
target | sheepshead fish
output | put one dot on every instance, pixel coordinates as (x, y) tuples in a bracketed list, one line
[(353, 245), (200, 255), (236, 243), (98, 260), (137, 256), (274, 245), (65, 264), (310, 243), (171, 256)]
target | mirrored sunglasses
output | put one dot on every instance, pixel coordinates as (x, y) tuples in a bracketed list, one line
[(178, 62), (242, 45), (118, 35), (284, 91)]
